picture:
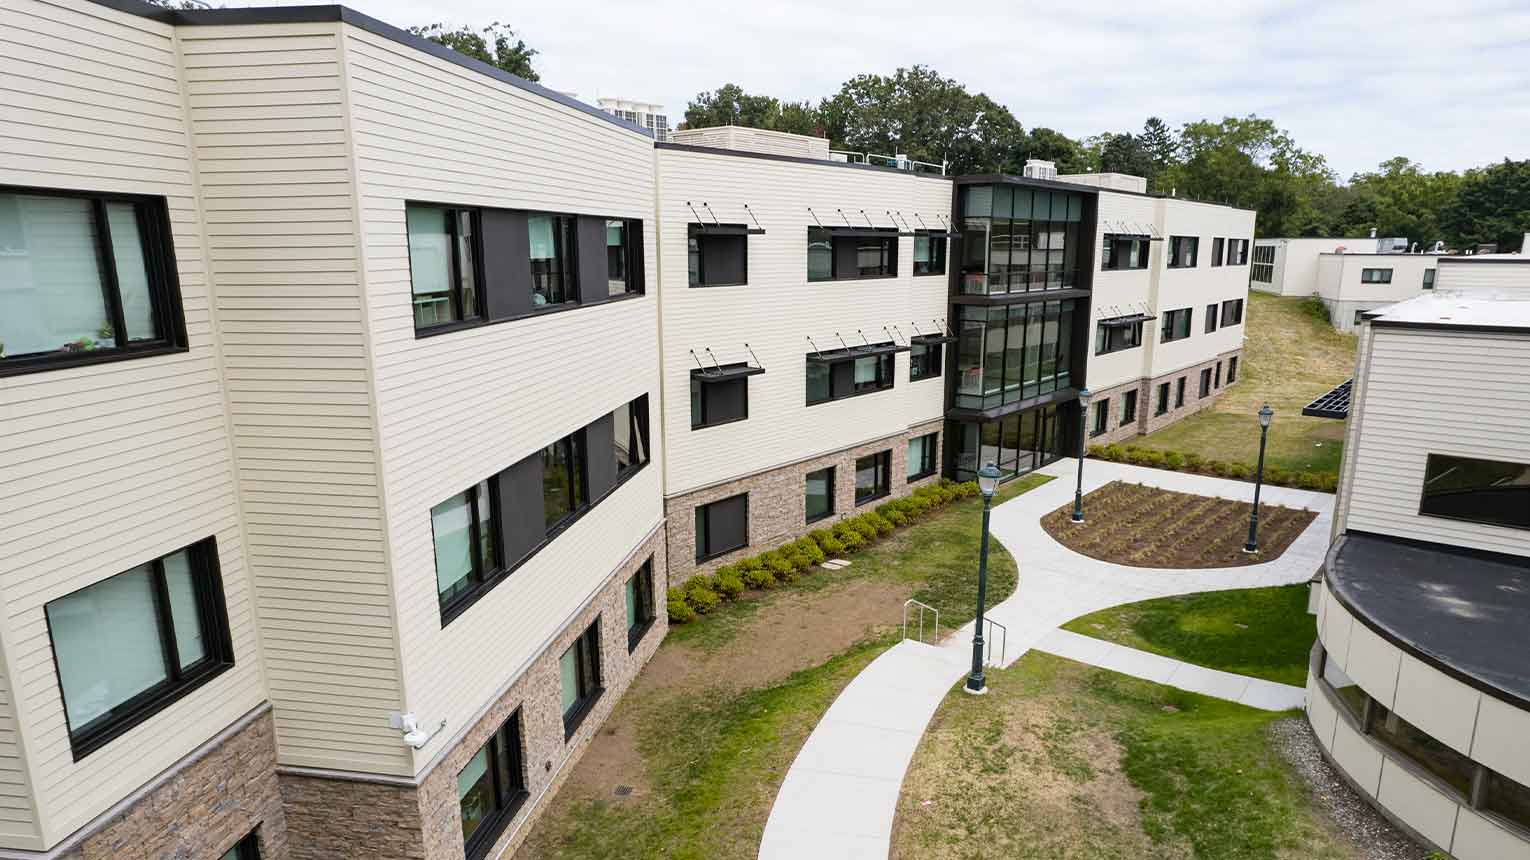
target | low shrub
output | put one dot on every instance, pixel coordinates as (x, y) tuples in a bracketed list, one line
[(798, 560), (1191, 462), (881, 524), (680, 612), (700, 594), (1113, 453), (897, 518), (728, 582), (751, 563), (831, 545), (864, 526), (1174, 460), (812, 550), (759, 577)]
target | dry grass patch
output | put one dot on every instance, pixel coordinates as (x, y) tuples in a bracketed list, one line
[(1142, 526)]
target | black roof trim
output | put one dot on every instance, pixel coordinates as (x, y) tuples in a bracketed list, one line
[(1332, 404), (1383, 322), (1061, 395), (796, 159), (1469, 258), (997, 299), (347, 15)]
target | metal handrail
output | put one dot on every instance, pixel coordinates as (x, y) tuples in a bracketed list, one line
[(922, 608), (988, 642)]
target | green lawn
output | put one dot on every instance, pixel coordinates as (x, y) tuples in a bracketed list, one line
[(1289, 358), (1263, 632), (1062, 761)]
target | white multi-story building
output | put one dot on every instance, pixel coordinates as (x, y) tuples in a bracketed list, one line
[(1418, 690), (642, 114)]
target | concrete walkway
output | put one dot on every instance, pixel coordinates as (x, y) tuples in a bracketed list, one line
[(840, 794), (1254, 692)]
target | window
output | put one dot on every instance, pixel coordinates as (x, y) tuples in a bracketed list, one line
[(1206, 382), (1491, 492), (565, 485), (127, 647), (247, 848), (873, 477), (1350, 695), (443, 264), (1121, 251), (1232, 370), (1232, 312), (718, 259), (638, 597), (1017, 239), (1237, 252), (1264, 264), (1128, 408), (1176, 325), (1444, 763), (1217, 378), (629, 424), (623, 248), (1375, 276), (718, 401), (1182, 250), (1101, 417), (841, 376), (820, 494), (1507, 798), (924, 360), (1429, 279), (929, 254), (1112, 337), (722, 526), (1217, 246), (1179, 392), (579, 677), (1211, 318), (1162, 402), (491, 788), (83, 278), (923, 456), (849, 254), (466, 534), (552, 259)]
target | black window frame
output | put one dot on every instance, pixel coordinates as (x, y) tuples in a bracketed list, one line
[(485, 571), (247, 848), (180, 682), (1128, 407), (1116, 252), (938, 244), (1211, 318), (508, 799), (1161, 403), (1105, 340), (1438, 465), (1232, 369), (1429, 276), (700, 237), (925, 360), (1237, 252), (931, 443), (632, 253), (888, 238), (1205, 388), (881, 463), (708, 552), (637, 427), (886, 378), (1177, 248), (577, 462), (1381, 276), (647, 612), (1232, 312), (1179, 393), (1176, 325), (701, 387), (1101, 421), (1219, 249), (158, 248), (1217, 377), (460, 318), (808, 516), (566, 252), (590, 689)]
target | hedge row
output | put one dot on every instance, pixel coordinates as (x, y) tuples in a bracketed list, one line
[(703, 592), (1274, 475)]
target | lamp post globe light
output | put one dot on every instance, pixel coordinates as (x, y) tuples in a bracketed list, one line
[(1083, 430), (1266, 414), (988, 481)]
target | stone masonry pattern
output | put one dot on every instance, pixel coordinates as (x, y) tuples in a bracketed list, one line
[(1147, 400)]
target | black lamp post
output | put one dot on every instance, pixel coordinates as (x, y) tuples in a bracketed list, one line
[(988, 481), (1083, 430), (1265, 414)]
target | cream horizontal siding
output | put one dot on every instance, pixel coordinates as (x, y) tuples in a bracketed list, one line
[(454, 409), (779, 309), (1116, 293), (268, 121), (103, 468), (1423, 395), (1465, 273), (1197, 287)]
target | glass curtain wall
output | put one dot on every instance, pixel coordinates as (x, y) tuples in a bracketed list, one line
[(1017, 240), (1008, 354), (1017, 443)]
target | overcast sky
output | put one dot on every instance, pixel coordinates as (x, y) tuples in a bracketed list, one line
[(1446, 84)]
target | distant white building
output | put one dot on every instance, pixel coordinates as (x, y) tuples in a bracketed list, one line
[(645, 114), (1289, 267)]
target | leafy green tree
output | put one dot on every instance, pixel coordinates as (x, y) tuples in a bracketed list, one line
[(1158, 141), (1492, 205), (1249, 162), (730, 105), (1048, 144), (495, 44), (1399, 199), (1126, 153)]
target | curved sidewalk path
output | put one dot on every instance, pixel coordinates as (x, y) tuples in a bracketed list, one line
[(841, 792)]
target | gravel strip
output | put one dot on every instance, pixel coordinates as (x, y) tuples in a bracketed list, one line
[(1373, 836)]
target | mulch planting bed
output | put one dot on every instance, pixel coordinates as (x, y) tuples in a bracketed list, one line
[(1143, 526)]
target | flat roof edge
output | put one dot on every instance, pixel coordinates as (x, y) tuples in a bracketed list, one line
[(796, 159), (335, 13)]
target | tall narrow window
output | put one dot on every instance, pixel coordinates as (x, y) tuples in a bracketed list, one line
[(1128, 408), (923, 456), (820, 254), (491, 788), (638, 597), (620, 278), (579, 677), (929, 254), (1429, 279), (1217, 246), (1211, 318), (1205, 382), (819, 497), (1101, 417), (1217, 378), (629, 425), (873, 477), (1232, 370), (1162, 403), (466, 537), (82, 275), (552, 259), (443, 264), (565, 485), (1179, 392), (128, 646)]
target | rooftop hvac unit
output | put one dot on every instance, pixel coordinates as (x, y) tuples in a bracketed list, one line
[(1035, 168), (1392, 246), (901, 159)]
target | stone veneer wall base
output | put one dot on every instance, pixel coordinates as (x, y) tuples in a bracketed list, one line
[(1146, 422)]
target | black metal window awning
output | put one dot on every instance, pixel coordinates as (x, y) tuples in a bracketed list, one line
[(865, 232), (932, 339), (1334, 404), (1129, 319), (725, 230), (833, 355), (725, 373), (938, 234)]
